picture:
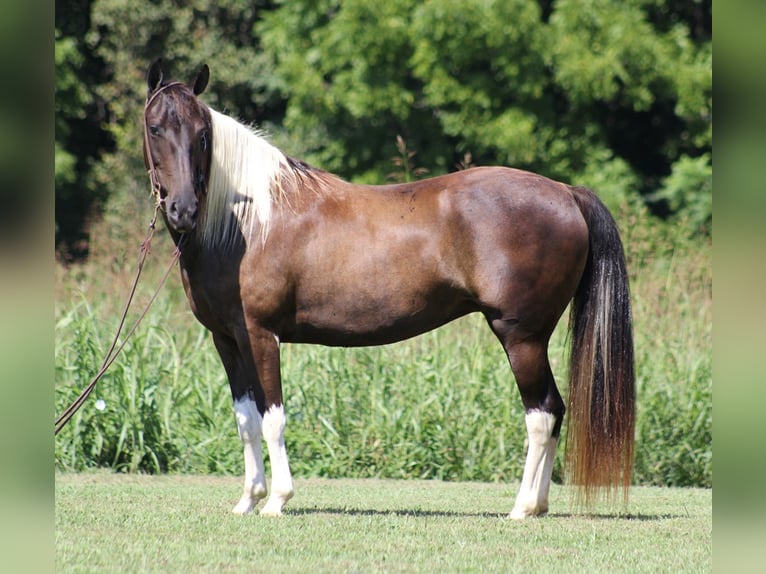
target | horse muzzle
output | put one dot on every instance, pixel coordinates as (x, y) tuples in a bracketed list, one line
[(182, 214)]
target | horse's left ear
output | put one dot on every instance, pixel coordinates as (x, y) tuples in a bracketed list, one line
[(201, 82), (154, 75)]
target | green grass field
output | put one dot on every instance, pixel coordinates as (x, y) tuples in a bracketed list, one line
[(108, 522)]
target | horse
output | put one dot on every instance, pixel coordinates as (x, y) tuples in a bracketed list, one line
[(274, 250)]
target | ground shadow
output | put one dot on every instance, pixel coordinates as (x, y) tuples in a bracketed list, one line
[(420, 513)]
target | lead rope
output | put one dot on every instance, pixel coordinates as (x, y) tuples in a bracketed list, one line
[(114, 350)]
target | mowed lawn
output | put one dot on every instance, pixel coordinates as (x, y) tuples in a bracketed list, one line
[(108, 522)]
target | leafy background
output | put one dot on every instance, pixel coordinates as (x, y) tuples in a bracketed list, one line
[(616, 95)]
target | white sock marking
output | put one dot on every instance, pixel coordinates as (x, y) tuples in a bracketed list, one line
[(281, 479), (532, 499), (249, 423)]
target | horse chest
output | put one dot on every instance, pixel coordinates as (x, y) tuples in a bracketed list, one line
[(213, 298)]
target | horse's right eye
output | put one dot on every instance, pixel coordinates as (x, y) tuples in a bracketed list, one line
[(154, 130)]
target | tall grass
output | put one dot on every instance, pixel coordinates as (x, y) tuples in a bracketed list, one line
[(673, 306), (443, 405), (157, 409)]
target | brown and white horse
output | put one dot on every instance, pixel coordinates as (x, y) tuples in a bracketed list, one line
[(277, 251)]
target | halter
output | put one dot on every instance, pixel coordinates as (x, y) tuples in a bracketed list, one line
[(154, 180)]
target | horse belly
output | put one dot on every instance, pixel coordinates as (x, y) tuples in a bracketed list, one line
[(379, 309), (371, 329)]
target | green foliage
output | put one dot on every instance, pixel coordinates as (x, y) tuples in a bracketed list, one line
[(567, 89), (76, 191), (615, 181), (185, 34), (71, 99), (484, 78), (64, 166), (344, 110), (430, 408), (607, 51), (674, 342), (127, 36), (689, 193), (598, 85), (152, 411)]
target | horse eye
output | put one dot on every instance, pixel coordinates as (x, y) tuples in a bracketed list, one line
[(154, 130), (203, 140)]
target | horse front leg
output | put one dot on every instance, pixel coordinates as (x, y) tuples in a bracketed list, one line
[(249, 423), (281, 479), (265, 349)]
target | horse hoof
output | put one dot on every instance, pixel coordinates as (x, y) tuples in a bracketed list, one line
[(276, 503), (522, 513), (244, 506), (271, 511)]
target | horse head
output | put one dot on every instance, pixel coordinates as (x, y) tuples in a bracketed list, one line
[(177, 145)]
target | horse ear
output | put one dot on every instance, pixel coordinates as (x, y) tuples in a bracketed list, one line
[(154, 75), (201, 82)]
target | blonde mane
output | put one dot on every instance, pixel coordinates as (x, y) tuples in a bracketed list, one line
[(248, 177)]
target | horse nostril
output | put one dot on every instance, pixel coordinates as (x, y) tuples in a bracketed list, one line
[(172, 208)]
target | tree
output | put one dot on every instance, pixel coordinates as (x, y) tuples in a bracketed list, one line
[(634, 70), (590, 91), (614, 95), (79, 143)]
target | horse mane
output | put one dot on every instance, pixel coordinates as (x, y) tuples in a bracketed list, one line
[(248, 178)]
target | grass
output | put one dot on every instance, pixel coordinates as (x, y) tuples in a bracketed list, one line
[(108, 522)]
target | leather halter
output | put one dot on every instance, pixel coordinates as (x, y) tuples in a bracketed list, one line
[(155, 182)]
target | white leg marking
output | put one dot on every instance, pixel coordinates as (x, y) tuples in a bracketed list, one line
[(532, 499), (281, 479), (249, 423)]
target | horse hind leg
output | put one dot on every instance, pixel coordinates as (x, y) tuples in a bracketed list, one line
[(532, 499), (544, 410)]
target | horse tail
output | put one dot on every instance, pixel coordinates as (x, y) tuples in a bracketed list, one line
[(601, 403)]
